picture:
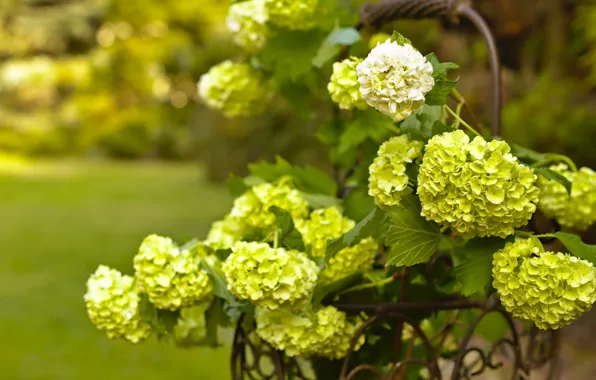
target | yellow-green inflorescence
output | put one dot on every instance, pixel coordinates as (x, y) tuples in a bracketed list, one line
[(388, 181), (394, 79), (191, 326), (235, 89), (112, 302), (344, 87), (349, 260), (323, 225), (270, 277), (292, 14), (325, 332), (171, 277), (551, 289), (251, 208), (476, 188), (224, 233), (576, 211), (247, 20)]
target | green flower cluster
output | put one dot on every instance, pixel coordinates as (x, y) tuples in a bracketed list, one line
[(344, 87), (575, 211), (349, 260), (191, 326), (251, 208), (170, 277), (325, 332), (388, 181), (476, 188), (292, 14), (323, 225), (224, 233), (552, 289), (247, 20), (113, 305), (270, 277), (235, 89)]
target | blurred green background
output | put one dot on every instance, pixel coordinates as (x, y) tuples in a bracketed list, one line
[(103, 140)]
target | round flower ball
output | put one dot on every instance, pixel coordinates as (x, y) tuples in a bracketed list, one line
[(326, 332), (388, 181), (292, 14), (251, 209), (394, 79), (191, 325), (247, 20), (576, 211), (269, 277), (235, 89), (323, 225), (171, 277), (224, 233), (476, 188), (350, 260), (551, 289), (113, 305), (344, 87)]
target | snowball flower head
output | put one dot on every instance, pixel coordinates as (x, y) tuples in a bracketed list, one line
[(476, 188), (235, 89), (252, 208), (349, 260), (388, 181), (269, 277), (224, 233), (344, 87), (551, 289), (247, 22), (394, 79), (575, 211), (171, 277), (113, 305), (323, 225), (326, 332), (292, 14), (191, 326)]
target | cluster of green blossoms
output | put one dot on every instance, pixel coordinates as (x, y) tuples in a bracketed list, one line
[(235, 89), (224, 233), (325, 332), (323, 225), (476, 188), (247, 20), (191, 326), (252, 208), (344, 87), (350, 260), (112, 302), (394, 79), (552, 289), (388, 181), (292, 14), (270, 277), (575, 211), (171, 277)]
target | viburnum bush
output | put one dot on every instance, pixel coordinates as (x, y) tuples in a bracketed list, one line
[(412, 181)]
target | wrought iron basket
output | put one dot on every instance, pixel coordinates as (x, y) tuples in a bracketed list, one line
[(525, 353)]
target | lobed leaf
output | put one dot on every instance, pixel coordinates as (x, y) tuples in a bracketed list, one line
[(576, 246)]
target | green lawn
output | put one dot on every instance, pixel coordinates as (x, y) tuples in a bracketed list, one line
[(59, 222)]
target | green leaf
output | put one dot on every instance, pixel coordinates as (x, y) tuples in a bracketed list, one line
[(357, 203), (331, 47), (577, 247), (322, 291), (412, 238), (475, 270), (554, 176), (236, 186), (161, 321), (424, 123), (298, 96), (526, 155), (371, 226), (316, 201), (290, 237), (440, 70), (364, 125), (290, 53), (443, 86), (400, 39), (493, 327), (214, 317), (330, 131)]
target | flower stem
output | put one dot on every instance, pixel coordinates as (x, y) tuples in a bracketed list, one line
[(563, 158), (456, 116), (276, 239), (394, 129)]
